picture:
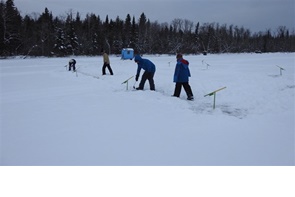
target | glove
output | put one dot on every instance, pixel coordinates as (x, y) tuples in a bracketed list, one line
[(136, 77)]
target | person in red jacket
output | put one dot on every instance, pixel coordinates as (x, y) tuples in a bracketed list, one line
[(181, 78)]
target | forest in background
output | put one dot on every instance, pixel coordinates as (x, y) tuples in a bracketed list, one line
[(47, 35)]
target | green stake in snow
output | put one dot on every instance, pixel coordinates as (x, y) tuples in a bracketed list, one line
[(281, 69), (206, 64), (126, 81), (76, 71), (214, 93)]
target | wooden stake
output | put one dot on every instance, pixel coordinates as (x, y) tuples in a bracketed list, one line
[(214, 93)]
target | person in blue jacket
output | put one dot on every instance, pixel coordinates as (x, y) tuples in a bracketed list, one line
[(149, 72), (181, 77)]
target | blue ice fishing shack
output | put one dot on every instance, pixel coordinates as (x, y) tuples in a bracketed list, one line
[(127, 53)]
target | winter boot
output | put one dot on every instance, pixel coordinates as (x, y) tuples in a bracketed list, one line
[(190, 98)]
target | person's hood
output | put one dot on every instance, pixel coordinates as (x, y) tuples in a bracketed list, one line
[(137, 58), (183, 62)]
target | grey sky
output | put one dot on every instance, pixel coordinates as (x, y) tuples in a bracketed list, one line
[(256, 15)]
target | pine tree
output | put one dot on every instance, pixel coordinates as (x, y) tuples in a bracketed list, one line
[(72, 44), (134, 35), (142, 33), (45, 33), (60, 48), (10, 28), (29, 36), (127, 31), (77, 24), (2, 29)]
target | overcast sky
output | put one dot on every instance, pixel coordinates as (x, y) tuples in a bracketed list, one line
[(256, 15)]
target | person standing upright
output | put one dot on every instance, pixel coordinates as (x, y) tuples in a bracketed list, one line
[(149, 72), (106, 63), (181, 77)]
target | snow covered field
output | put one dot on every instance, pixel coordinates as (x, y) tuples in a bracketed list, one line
[(50, 116)]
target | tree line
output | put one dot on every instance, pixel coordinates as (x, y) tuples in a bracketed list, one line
[(46, 35)]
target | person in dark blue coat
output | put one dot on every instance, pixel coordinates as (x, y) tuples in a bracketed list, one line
[(149, 72), (181, 77), (72, 64)]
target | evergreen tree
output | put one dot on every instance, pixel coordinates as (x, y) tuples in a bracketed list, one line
[(45, 33), (72, 43), (60, 48), (29, 36), (142, 33), (2, 30), (77, 25), (91, 39), (10, 28), (127, 31), (134, 35), (117, 35)]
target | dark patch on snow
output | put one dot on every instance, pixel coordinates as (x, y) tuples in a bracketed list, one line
[(236, 112), (274, 76), (225, 109)]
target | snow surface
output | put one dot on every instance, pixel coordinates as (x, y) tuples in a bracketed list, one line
[(50, 116)]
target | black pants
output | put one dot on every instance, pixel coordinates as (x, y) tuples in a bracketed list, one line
[(72, 66), (104, 69), (186, 87), (147, 76)]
